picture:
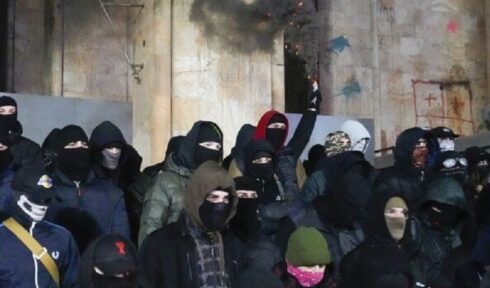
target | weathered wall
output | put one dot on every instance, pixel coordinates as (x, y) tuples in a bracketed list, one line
[(378, 51)]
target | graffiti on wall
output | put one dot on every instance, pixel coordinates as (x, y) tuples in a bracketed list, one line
[(338, 44), (444, 104)]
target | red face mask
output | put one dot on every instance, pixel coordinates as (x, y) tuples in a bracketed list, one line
[(419, 154)]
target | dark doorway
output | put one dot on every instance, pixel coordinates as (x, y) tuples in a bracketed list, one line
[(4, 32), (296, 83)]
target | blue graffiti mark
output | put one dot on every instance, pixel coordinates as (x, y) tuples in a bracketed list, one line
[(337, 45), (352, 88)]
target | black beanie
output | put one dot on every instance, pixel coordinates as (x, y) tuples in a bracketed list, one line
[(34, 182), (7, 101), (52, 140), (210, 132), (245, 183), (174, 144), (71, 133)]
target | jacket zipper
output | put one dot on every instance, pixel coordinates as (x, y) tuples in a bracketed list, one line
[(189, 265)]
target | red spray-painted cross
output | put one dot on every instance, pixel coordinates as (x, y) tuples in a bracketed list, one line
[(121, 246)]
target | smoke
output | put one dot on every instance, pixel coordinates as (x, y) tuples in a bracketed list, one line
[(242, 27)]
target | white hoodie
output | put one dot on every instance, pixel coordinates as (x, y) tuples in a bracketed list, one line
[(357, 132)]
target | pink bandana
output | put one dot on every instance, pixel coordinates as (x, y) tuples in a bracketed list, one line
[(306, 279)]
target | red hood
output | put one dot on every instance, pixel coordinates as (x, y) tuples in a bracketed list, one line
[(264, 122)]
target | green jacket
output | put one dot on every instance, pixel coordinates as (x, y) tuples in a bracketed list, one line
[(164, 200)]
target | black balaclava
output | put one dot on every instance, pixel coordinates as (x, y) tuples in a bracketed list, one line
[(214, 215), (262, 170), (276, 136), (11, 120), (173, 145), (446, 217), (245, 223), (5, 156), (208, 132), (454, 165), (74, 163)]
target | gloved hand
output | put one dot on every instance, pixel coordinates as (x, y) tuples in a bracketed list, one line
[(315, 98)]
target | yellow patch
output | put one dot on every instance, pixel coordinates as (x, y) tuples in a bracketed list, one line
[(45, 182)]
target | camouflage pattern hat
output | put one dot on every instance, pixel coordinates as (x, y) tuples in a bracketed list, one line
[(337, 142)]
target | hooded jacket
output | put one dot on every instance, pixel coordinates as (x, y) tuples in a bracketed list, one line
[(288, 155), (236, 160), (429, 248), (18, 268), (168, 256), (375, 227), (100, 199), (355, 130), (164, 200), (104, 134)]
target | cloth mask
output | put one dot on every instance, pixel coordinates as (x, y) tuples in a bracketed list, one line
[(110, 158), (305, 279), (214, 215), (275, 136), (446, 219), (246, 220), (34, 211), (202, 154), (75, 163)]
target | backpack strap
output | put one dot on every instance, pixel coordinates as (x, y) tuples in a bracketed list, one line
[(39, 252)]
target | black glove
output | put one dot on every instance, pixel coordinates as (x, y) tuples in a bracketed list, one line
[(314, 100)]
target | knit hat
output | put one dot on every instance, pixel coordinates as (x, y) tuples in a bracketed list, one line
[(337, 142), (71, 133), (34, 182), (307, 247), (114, 254), (7, 101)]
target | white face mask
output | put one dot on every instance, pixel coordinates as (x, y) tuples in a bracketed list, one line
[(110, 157), (446, 144), (361, 145), (35, 212)]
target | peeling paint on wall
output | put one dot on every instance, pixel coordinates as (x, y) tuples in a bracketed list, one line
[(337, 45)]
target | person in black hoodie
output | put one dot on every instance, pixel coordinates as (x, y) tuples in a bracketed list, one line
[(109, 262), (114, 160), (386, 225), (189, 253), (24, 150), (78, 189), (163, 201), (415, 153), (6, 170), (173, 146), (235, 162)]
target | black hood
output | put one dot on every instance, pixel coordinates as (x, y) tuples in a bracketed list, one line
[(245, 134), (349, 179), (252, 148), (186, 153), (384, 189), (103, 134), (405, 145), (376, 261)]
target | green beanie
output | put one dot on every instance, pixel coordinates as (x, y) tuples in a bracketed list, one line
[(307, 247)]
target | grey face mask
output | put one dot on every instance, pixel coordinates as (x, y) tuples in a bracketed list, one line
[(110, 158)]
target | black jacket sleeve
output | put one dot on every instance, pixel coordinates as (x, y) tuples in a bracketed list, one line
[(302, 133)]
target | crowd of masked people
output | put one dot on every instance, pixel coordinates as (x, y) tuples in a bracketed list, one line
[(78, 211)]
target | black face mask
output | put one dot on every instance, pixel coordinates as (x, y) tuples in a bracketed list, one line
[(446, 219), (75, 163), (263, 171), (103, 281), (275, 136), (246, 221), (202, 155), (214, 215), (11, 121)]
